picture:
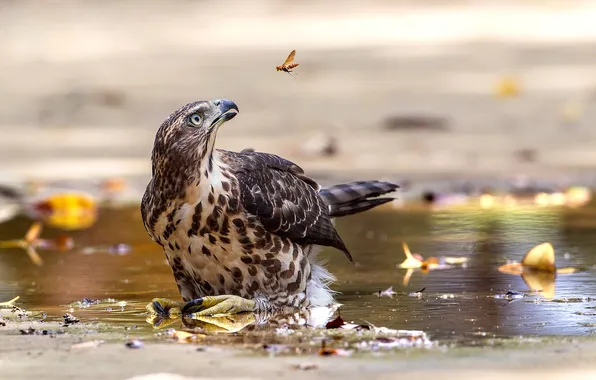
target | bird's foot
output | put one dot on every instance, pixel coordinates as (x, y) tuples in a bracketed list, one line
[(163, 312), (217, 305)]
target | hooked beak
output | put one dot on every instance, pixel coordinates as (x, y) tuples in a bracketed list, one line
[(227, 110)]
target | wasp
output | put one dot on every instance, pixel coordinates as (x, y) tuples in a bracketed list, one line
[(287, 66)]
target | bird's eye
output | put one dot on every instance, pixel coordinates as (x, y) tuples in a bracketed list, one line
[(195, 119)]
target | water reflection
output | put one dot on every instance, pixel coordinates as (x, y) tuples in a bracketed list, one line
[(457, 303)]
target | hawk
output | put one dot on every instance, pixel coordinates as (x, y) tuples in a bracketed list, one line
[(240, 229)]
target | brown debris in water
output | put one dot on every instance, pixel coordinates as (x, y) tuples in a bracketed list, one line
[(324, 351), (70, 319), (336, 323)]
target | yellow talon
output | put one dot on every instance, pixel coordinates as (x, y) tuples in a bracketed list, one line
[(217, 305), (164, 307)]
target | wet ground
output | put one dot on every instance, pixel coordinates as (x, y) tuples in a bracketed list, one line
[(458, 305)]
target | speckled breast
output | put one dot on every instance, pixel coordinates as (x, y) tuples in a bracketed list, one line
[(214, 248)]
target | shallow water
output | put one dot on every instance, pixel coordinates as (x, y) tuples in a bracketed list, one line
[(457, 305)]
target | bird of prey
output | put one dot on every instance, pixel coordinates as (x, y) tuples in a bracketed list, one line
[(240, 229)]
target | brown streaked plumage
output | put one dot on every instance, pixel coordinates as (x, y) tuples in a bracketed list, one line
[(242, 224), (288, 66)]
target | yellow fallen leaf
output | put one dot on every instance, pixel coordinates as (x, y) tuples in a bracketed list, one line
[(9, 303), (410, 261), (538, 269), (541, 257), (70, 211)]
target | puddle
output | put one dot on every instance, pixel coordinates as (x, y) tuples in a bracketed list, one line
[(462, 306)]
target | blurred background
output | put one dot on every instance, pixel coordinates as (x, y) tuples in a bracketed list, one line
[(392, 88), (420, 92)]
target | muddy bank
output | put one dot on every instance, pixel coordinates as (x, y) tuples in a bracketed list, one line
[(33, 357), (67, 348)]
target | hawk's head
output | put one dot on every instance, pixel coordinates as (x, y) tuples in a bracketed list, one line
[(188, 134)]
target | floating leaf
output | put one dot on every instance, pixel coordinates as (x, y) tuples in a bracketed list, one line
[(387, 292), (410, 261), (541, 257), (538, 269), (9, 303)]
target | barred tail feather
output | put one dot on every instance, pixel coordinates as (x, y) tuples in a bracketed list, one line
[(354, 197)]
